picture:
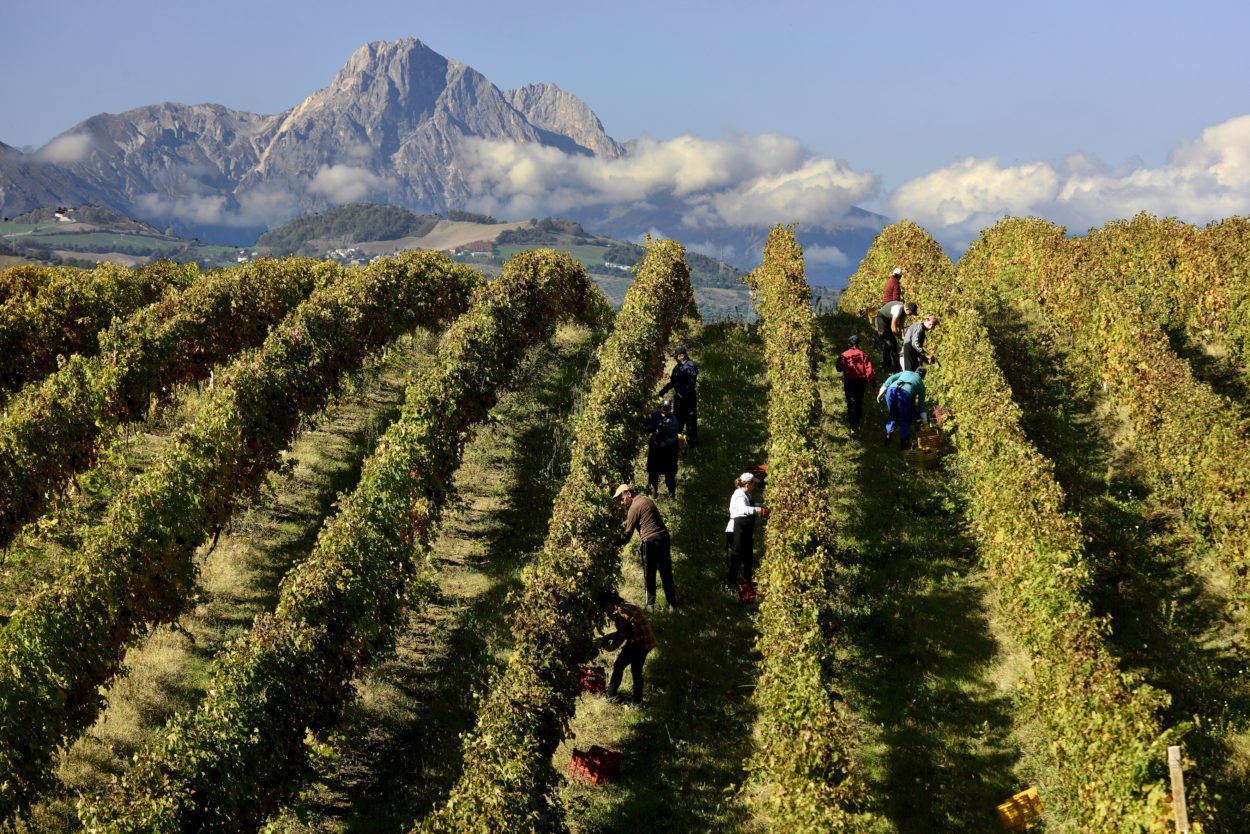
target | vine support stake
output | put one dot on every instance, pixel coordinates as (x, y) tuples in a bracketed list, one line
[(1178, 790)]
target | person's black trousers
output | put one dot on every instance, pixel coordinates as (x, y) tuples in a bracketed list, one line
[(854, 390), (741, 550), (633, 657), (687, 413), (889, 353), (657, 555)]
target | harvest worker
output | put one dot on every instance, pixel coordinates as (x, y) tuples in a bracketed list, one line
[(632, 630), (683, 383), (913, 344), (661, 428), (740, 534), (904, 398), (856, 369), (890, 320), (893, 289), (642, 515)]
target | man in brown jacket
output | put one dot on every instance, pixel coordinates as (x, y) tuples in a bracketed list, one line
[(642, 515), (633, 631)]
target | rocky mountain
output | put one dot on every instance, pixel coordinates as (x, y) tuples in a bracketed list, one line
[(398, 125), (386, 130)]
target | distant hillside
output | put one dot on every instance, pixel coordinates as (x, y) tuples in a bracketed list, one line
[(347, 225), (85, 235)]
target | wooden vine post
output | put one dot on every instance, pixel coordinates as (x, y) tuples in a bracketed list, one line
[(1178, 789)]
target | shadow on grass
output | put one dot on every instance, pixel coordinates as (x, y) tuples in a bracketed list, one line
[(399, 744), (1170, 623), (944, 753), (686, 751)]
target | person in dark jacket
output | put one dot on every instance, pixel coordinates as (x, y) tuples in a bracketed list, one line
[(661, 429), (683, 382), (890, 319), (857, 373), (642, 515), (634, 634), (914, 352), (740, 534), (893, 290)]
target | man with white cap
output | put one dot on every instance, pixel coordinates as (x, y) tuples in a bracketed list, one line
[(740, 534), (643, 515), (893, 289)]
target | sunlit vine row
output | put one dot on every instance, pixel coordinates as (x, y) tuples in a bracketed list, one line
[(1103, 739), (508, 783), (135, 568), (231, 761), (59, 311), (806, 764), (54, 427)]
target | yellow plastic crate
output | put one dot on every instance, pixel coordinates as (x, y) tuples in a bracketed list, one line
[(1022, 812), (921, 458)]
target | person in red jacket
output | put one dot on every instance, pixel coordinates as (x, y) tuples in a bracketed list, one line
[(893, 289), (857, 372)]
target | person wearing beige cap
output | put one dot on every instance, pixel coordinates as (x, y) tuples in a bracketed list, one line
[(740, 534), (643, 515)]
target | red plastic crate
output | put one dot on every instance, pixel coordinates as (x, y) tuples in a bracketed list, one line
[(748, 592), (593, 679), (596, 765)]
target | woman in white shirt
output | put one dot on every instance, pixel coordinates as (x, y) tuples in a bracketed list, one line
[(740, 534)]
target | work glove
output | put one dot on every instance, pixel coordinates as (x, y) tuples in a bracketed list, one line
[(924, 417), (881, 392)]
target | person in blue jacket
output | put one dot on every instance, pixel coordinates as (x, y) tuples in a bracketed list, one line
[(683, 383), (661, 429), (904, 402)]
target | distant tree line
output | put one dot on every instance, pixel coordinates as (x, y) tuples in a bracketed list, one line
[(549, 230), (354, 223), (471, 217)]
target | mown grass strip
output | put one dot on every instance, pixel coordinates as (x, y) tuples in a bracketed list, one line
[(508, 783), (135, 568)]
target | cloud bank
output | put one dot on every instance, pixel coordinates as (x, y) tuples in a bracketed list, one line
[(742, 181), (1203, 179)]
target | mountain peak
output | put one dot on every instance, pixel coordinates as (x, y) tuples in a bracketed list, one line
[(547, 106)]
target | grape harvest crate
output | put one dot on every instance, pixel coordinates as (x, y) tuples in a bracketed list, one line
[(596, 765)]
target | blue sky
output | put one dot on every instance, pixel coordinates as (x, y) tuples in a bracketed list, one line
[(955, 109)]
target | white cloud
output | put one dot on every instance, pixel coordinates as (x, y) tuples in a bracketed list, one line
[(67, 150), (741, 181), (1203, 179), (344, 183), (205, 209), (831, 255)]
